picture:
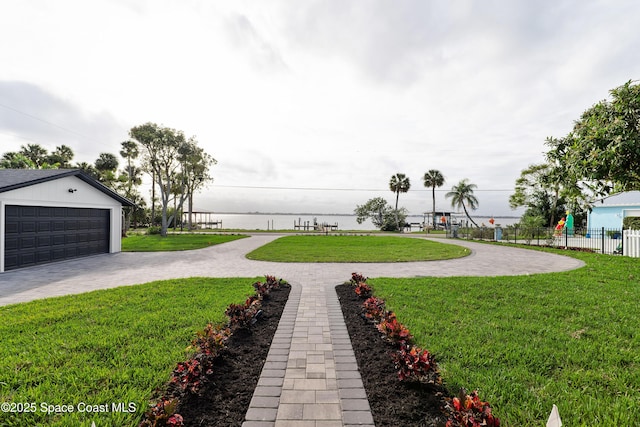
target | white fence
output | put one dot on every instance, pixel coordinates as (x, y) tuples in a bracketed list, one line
[(631, 244)]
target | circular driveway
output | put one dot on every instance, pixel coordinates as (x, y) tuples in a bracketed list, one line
[(228, 260)]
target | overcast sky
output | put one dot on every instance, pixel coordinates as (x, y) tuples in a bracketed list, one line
[(334, 95)]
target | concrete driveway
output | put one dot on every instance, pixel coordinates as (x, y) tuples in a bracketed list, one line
[(227, 260)]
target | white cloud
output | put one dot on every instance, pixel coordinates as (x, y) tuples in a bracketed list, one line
[(323, 94)]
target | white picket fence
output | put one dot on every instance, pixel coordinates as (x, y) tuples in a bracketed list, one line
[(631, 244)]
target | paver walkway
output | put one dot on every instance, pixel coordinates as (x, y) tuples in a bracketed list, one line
[(310, 378)]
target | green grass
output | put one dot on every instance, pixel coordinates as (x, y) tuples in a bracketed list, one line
[(355, 249), (528, 342), (104, 347), (174, 242)]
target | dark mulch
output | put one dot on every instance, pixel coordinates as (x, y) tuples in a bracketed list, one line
[(393, 403), (225, 400)]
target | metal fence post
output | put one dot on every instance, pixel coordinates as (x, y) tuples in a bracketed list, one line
[(602, 234)]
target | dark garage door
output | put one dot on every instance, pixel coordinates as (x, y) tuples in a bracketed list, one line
[(39, 234)]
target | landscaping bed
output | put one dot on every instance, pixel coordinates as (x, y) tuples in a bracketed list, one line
[(393, 403), (224, 399)]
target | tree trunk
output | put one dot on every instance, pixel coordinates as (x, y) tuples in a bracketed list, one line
[(153, 197), (190, 209), (175, 212), (397, 219), (556, 195), (433, 195), (468, 216)]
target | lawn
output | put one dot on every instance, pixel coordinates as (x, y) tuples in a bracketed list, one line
[(174, 242), (529, 342), (355, 249), (104, 347)]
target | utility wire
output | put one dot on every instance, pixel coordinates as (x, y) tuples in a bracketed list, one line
[(50, 124), (337, 189)]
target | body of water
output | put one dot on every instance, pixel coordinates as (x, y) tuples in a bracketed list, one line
[(260, 221)]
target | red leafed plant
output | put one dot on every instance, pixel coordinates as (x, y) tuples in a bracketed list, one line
[(415, 363), (162, 414), (393, 330), (373, 308), (211, 340), (357, 278), (188, 376), (263, 289), (467, 410), (273, 282), (363, 290), (243, 315)]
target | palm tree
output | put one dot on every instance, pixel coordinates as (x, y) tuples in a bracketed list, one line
[(433, 179), (399, 183), (461, 193), (130, 152), (62, 156), (36, 153)]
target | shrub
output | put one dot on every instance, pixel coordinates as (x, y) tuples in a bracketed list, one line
[(162, 414), (273, 282), (153, 230), (243, 315), (469, 411), (357, 278), (210, 341), (374, 309), (413, 362), (393, 330), (263, 289), (188, 376), (363, 290)]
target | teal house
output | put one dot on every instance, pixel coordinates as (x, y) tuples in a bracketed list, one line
[(610, 211)]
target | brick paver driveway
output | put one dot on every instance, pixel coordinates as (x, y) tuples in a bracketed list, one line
[(227, 260)]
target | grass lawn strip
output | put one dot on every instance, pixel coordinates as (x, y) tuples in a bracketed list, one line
[(174, 242), (355, 249), (528, 342), (103, 347)]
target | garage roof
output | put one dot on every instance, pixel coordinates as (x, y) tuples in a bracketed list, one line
[(12, 179)]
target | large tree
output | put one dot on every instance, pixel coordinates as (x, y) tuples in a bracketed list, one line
[(132, 174), (36, 154), (399, 183), (166, 156), (16, 160), (462, 195), (433, 179), (382, 215), (538, 189), (107, 164), (602, 151), (130, 152), (61, 157), (196, 165)]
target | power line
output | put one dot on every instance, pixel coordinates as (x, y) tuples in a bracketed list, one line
[(50, 124), (340, 189)]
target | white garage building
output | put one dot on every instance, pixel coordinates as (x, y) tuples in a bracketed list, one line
[(49, 215)]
